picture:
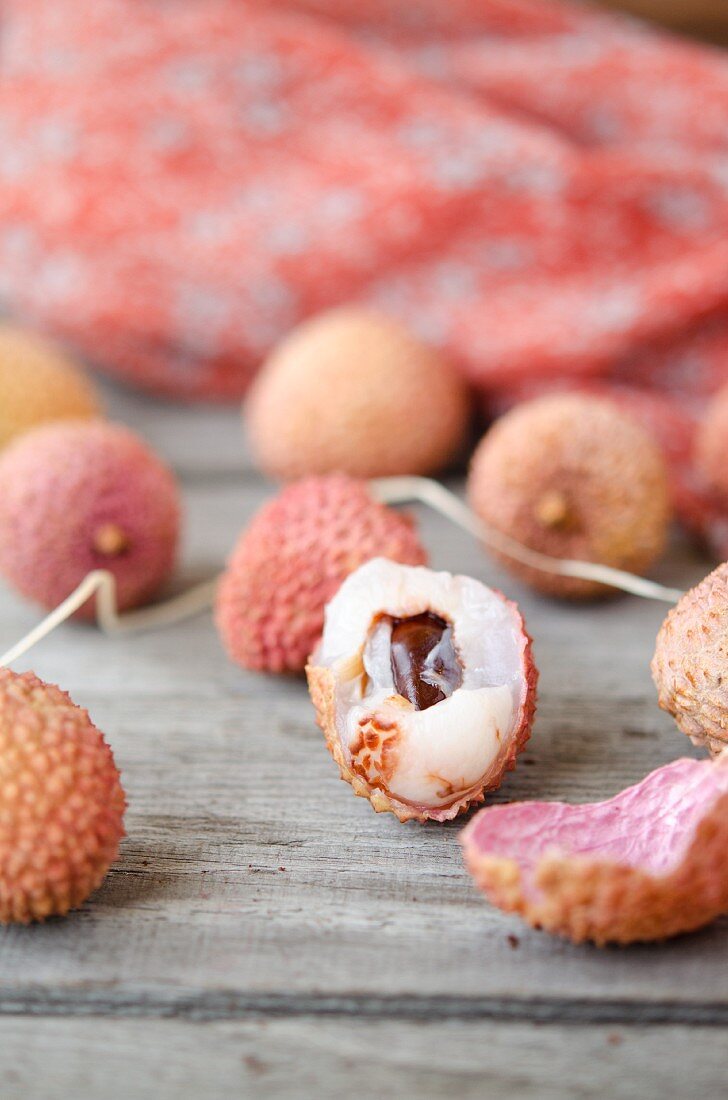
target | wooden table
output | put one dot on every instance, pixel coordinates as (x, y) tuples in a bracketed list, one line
[(265, 933)]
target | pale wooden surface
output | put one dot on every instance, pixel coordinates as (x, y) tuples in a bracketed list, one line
[(265, 933)]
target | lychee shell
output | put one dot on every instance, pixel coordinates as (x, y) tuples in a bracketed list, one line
[(61, 801), (322, 688), (83, 495), (690, 664), (572, 476), (573, 886), (38, 383), (354, 392), (291, 560)]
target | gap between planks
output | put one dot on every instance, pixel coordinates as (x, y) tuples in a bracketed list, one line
[(233, 1005)]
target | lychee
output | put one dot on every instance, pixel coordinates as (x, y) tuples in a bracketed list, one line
[(84, 495), (291, 560), (61, 801), (712, 445), (424, 686), (39, 383), (351, 391), (648, 864), (690, 665), (572, 476)]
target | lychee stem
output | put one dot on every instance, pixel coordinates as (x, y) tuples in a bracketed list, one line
[(110, 540), (400, 490), (102, 584), (552, 510)]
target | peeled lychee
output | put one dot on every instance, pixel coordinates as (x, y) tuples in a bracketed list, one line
[(712, 445), (690, 665), (648, 864), (37, 384), (353, 392), (84, 495), (61, 801), (291, 560), (424, 686), (573, 476)]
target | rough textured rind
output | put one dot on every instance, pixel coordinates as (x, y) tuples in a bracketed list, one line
[(690, 665), (587, 899), (38, 383), (84, 495), (573, 476), (381, 401), (322, 684), (291, 560), (61, 801)]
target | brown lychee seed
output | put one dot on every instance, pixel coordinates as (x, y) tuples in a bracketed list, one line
[(424, 686), (351, 391), (38, 384), (690, 665), (61, 801), (572, 476), (648, 864), (292, 558), (711, 445)]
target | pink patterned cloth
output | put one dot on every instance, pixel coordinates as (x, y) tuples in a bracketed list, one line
[(539, 188)]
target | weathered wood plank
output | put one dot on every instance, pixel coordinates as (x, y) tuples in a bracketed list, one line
[(229, 782), (55, 1059)]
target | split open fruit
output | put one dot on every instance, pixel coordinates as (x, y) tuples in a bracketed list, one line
[(647, 864), (424, 686)]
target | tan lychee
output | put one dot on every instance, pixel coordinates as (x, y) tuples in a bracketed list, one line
[(573, 476), (690, 665), (61, 801), (711, 445), (39, 383), (648, 864), (424, 686), (354, 392)]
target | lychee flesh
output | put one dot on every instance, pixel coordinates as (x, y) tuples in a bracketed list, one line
[(84, 495), (573, 476), (690, 664), (38, 383), (645, 865), (61, 801), (354, 392), (432, 752), (291, 560)]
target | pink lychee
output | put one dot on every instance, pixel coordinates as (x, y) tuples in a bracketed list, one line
[(291, 560), (85, 495)]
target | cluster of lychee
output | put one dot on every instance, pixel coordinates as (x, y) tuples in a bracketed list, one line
[(424, 683)]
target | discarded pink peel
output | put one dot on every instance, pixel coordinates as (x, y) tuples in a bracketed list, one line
[(647, 864)]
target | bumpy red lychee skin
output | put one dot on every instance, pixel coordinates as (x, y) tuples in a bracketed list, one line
[(352, 391), (690, 665), (573, 476), (291, 560), (61, 801), (85, 495), (598, 872)]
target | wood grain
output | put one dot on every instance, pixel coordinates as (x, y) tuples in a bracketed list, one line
[(259, 910)]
